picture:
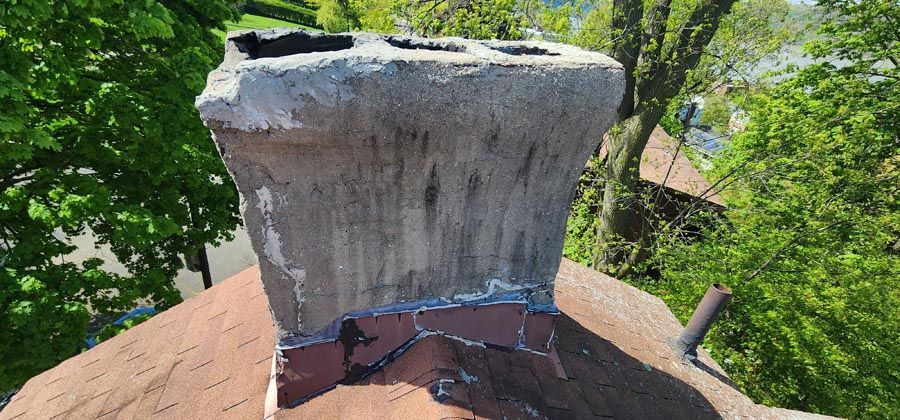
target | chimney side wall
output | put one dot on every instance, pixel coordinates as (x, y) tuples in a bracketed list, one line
[(386, 181)]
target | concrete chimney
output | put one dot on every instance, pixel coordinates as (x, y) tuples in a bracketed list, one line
[(422, 181)]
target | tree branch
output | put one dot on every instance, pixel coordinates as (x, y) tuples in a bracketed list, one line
[(693, 37), (787, 245), (654, 35), (626, 47)]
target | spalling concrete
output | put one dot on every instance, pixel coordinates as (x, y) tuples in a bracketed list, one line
[(379, 170)]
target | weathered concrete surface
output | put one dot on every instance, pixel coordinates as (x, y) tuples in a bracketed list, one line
[(398, 170)]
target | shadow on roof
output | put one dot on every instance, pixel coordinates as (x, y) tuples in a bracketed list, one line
[(441, 377)]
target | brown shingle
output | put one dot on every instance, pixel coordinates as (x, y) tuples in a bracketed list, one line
[(210, 357)]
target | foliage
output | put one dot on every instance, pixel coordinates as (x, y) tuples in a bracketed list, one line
[(595, 31), (552, 21), (111, 330), (810, 240), (335, 15), (356, 15), (98, 134), (755, 29), (476, 19), (581, 226), (670, 122), (283, 10), (716, 111)]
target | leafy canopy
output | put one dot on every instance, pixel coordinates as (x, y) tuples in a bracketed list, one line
[(811, 241), (98, 134), (475, 19)]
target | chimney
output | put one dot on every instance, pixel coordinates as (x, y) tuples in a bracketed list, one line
[(714, 301), (395, 186)]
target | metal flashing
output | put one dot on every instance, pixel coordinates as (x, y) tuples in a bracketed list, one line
[(362, 344), (332, 332)]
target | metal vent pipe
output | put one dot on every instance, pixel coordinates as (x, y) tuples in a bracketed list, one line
[(715, 300)]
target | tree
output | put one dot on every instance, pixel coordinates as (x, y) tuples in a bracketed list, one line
[(98, 134), (475, 19), (356, 15), (809, 243), (674, 50), (669, 53), (658, 57), (753, 31), (336, 15)]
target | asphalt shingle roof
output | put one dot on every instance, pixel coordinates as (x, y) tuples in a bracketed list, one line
[(211, 357)]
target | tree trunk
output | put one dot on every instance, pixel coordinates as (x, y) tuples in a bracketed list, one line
[(617, 227), (204, 268), (621, 241), (201, 252)]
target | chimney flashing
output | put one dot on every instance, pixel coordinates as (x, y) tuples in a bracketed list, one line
[(333, 331), (365, 343)]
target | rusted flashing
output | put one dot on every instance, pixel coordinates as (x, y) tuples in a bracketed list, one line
[(364, 344), (380, 335), (538, 333), (498, 324), (533, 301)]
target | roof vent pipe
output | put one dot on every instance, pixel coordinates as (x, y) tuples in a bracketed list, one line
[(715, 300)]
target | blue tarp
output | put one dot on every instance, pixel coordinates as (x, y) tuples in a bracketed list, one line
[(90, 342), (140, 310)]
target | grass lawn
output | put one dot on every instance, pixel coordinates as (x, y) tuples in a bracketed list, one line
[(259, 22)]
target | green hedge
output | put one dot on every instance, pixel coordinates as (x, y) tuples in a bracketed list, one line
[(283, 10)]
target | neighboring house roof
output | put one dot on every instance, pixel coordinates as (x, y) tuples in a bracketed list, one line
[(211, 357), (683, 176)]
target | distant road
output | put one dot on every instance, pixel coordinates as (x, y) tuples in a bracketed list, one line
[(224, 261)]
